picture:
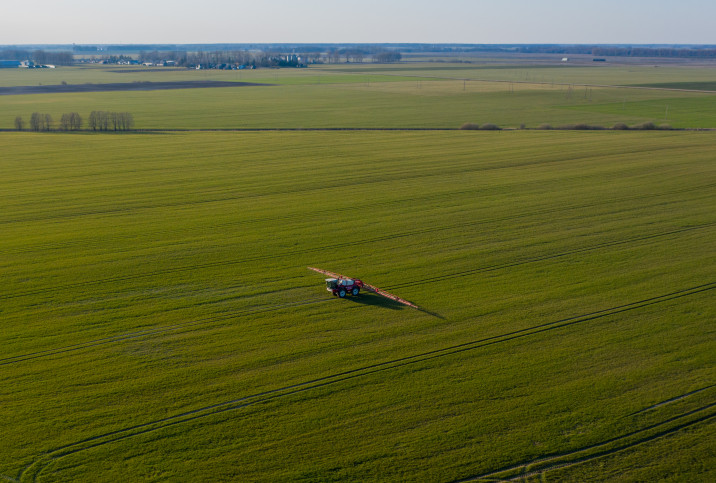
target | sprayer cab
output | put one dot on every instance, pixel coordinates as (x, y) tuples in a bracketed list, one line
[(340, 287)]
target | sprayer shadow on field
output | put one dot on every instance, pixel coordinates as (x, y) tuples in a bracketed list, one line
[(370, 299)]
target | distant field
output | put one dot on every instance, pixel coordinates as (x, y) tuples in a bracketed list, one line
[(611, 75), (697, 86), (110, 74), (159, 322), (368, 96), (118, 86)]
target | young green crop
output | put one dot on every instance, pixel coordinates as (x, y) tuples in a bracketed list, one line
[(159, 321)]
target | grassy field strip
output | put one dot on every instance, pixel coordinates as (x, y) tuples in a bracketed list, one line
[(201, 323), (549, 74), (332, 96), (152, 331), (123, 75), (35, 468), (548, 257), (259, 220), (562, 84), (159, 321), (390, 103), (670, 111), (319, 214), (664, 428), (465, 166), (328, 73), (394, 236), (58, 214)]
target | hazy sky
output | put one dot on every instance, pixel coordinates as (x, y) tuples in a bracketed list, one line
[(365, 21)]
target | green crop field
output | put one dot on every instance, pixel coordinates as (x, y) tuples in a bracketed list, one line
[(159, 322), (416, 96)]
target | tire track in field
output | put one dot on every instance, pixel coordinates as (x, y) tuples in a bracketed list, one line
[(180, 327), (336, 247), (671, 400), (321, 214), (609, 447), (220, 263), (175, 328), (522, 466), (36, 467), (463, 273), (405, 174)]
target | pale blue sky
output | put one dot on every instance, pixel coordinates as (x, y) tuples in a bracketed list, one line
[(366, 21)]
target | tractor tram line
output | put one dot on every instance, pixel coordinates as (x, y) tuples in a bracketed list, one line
[(666, 427), (321, 214), (36, 467), (409, 233), (175, 328), (439, 278), (525, 261)]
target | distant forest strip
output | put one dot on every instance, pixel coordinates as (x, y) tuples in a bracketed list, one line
[(263, 57), (622, 51), (120, 86), (272, 55), (38, 56)]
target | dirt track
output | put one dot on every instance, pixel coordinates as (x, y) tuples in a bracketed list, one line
[(119, 86)]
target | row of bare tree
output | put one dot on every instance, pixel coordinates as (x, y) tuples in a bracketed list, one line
[(110, 121), (98, 121)]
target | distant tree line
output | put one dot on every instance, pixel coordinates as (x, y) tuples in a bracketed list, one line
[(224, 58), (71, 122), (43, 122), (97, 121), (261, 55), (388, 56), (40, 122), (38, 56), (359, 54), (114, 121), (193, 59), (654, 52), (621, 51)]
